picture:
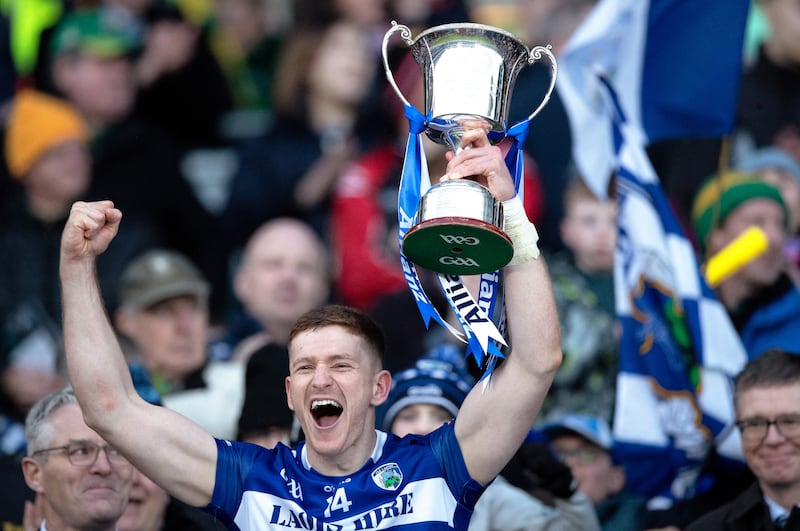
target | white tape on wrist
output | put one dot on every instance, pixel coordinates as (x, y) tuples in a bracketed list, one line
[(521, 231)]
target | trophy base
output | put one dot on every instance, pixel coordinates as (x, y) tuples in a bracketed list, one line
[(458, 246)]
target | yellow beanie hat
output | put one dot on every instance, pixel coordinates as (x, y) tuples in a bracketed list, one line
[(37, 123)]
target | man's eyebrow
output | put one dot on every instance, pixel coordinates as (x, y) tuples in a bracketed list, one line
[(331, 357), (79, 441), (307, 358), (343, 355)]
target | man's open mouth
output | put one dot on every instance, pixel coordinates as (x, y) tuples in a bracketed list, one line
[(326, 412)]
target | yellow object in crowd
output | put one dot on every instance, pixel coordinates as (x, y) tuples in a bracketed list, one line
[(746, 247)]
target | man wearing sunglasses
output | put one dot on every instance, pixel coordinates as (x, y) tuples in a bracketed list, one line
[(83, 482), (767, 405)]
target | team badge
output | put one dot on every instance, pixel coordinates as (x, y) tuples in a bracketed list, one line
[(388, 476)]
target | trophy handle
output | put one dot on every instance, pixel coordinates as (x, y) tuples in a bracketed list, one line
[(405, 34), (535, 54)]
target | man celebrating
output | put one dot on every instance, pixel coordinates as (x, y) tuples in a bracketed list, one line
[(346, 475)]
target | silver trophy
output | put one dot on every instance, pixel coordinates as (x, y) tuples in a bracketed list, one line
[(469, 72)]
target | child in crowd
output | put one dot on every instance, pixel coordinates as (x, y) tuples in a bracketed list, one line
[(583, 284)]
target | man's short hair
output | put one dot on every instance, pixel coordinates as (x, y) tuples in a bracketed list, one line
[(576, 190), (772, 368), (354, 321), (38, 425)]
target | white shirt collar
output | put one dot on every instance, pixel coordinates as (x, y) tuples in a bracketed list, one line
[(377, 451), (775, 510)]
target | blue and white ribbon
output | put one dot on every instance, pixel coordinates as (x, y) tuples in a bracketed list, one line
[(478, 330)]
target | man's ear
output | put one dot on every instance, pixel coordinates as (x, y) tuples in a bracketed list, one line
[(32, 470), (617, 478), (288, 386), (716, 241), (240, 283), (63, 71), (382, 386), (565, 231), (123, 321)]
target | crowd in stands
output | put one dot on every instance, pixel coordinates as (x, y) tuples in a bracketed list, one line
[(255, 150)]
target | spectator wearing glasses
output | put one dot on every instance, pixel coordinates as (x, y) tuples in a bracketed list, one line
[(84, 482), (767, 405)]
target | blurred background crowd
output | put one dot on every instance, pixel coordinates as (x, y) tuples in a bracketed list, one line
[(255, 150)]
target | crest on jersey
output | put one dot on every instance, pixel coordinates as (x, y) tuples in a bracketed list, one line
[(388, 476)]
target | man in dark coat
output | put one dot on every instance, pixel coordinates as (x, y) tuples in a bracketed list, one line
[(766, 398)]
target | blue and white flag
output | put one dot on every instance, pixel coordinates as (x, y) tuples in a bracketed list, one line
[(676, 66), (679, 351)]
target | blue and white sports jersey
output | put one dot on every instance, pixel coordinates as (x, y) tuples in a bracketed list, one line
[(417, 482)]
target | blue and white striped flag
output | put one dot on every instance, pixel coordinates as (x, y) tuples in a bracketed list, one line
[(676, 66), (678, 350)]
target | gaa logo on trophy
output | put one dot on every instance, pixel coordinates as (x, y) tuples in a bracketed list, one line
[(468, 72)]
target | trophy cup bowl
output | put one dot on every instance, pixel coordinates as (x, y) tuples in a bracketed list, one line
[(468, 73)]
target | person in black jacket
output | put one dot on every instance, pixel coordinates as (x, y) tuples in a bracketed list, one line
[(46, 149), (767, 404), (136, 161)]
